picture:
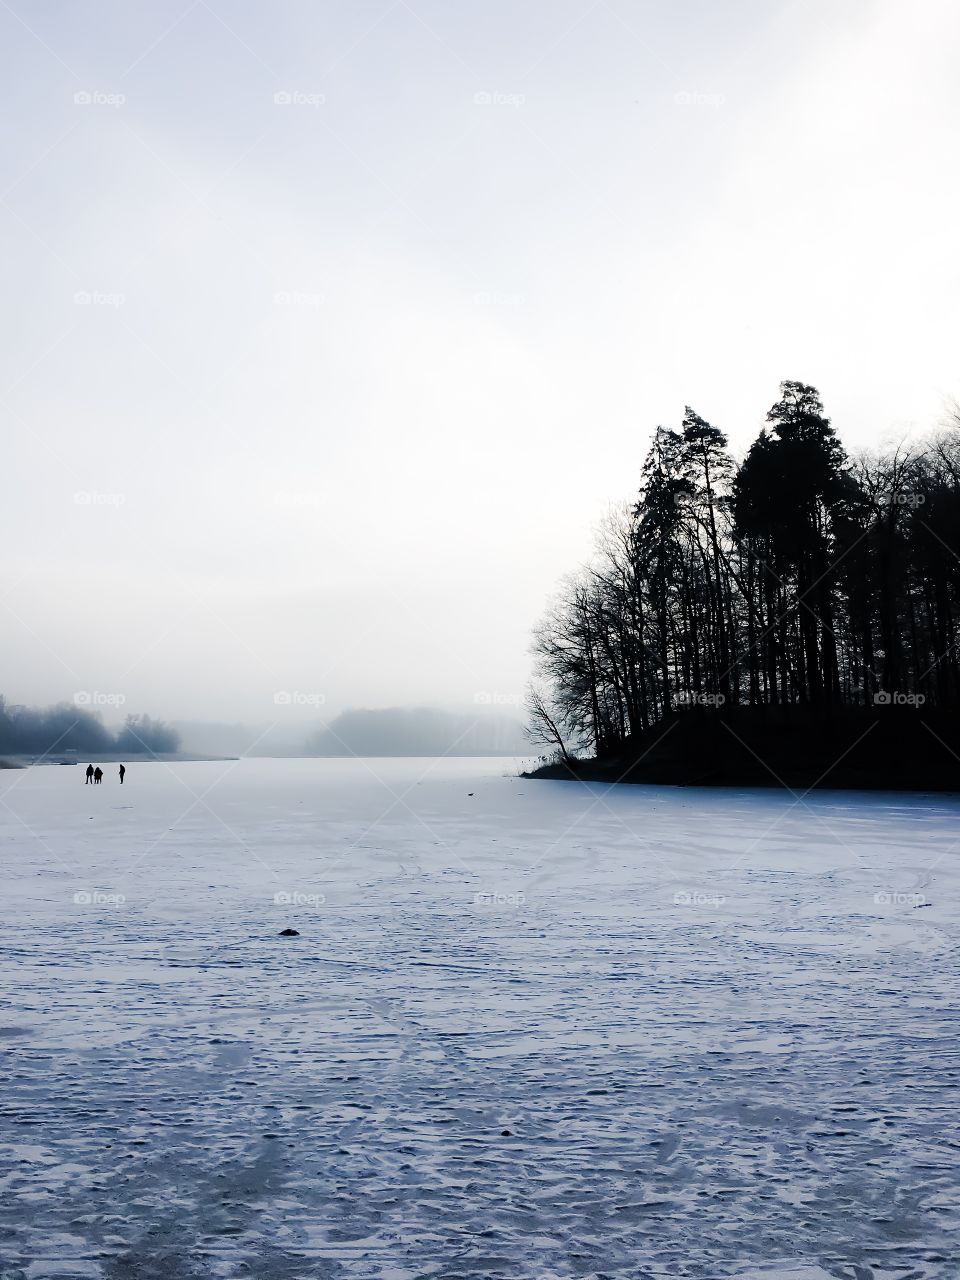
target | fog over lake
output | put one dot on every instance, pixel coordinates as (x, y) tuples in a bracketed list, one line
[(332, 332)]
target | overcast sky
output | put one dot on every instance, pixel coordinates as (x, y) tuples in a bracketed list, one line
[(330, 330)]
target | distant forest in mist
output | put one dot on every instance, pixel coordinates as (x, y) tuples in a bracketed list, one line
[(390, 731), (799, 576), (66, 727), (386, 731), (419, 731)]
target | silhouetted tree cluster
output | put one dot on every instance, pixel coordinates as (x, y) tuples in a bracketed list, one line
[(799, 576), (65, 727)]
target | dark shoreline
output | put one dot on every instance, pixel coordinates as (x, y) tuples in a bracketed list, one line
[(19, 761), (793, 748)]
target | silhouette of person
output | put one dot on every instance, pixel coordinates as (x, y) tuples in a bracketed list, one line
[(98, 775), (123, 770), (89, 774)]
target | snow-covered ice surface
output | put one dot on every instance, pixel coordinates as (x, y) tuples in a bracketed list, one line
[(720, 1027)]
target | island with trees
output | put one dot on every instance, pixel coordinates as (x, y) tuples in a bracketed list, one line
[(788, 619)]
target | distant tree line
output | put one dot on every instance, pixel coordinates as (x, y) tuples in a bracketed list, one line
[(417, 731), (798, 576), (65, 727)]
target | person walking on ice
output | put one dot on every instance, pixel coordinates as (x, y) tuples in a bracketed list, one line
[(98, 775), (89, 775), (123, 770)]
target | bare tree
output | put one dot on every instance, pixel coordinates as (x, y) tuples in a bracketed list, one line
[(542, 726)]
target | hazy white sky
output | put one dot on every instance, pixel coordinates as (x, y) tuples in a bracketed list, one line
[(323, 394)]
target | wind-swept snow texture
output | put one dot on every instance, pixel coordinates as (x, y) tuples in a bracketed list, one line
[(541, 1030)]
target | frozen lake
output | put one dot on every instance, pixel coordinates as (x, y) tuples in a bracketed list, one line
[(719, 1028)]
